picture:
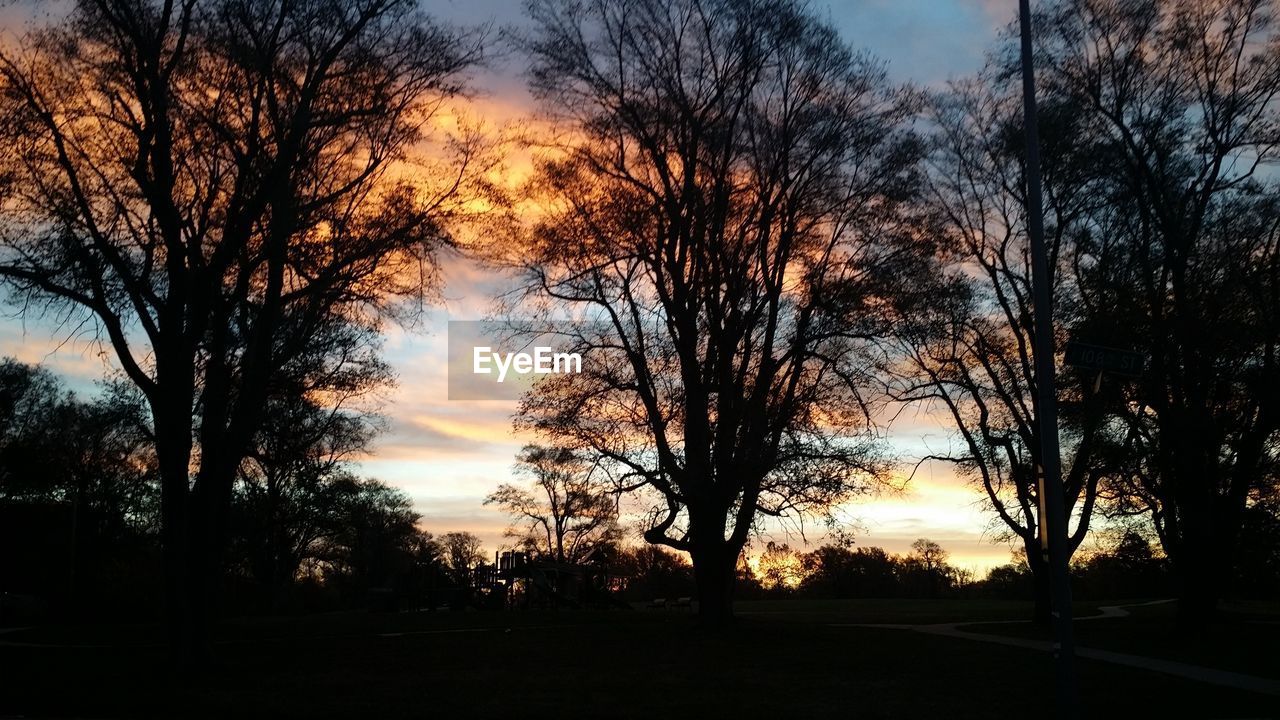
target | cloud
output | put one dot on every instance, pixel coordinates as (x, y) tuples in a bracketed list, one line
[(70, 350)]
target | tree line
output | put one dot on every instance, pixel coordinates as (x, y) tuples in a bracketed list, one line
[(566, 513), (80, 492), (78, 484)]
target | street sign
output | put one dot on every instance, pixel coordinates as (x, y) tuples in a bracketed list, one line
[(1104, 359)]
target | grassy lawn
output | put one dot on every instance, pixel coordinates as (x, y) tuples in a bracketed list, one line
[(883, 611), (1245, 638), (779, 661)]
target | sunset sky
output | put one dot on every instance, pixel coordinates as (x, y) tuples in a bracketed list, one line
[(449, 454)]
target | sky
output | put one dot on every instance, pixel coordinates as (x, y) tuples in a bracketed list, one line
[(448, 455)]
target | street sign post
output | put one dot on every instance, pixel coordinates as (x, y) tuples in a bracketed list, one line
[(1054, 517)]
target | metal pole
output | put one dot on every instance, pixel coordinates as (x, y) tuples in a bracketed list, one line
[(1054, 518)]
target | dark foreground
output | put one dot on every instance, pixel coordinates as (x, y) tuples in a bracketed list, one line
[(783, 660)]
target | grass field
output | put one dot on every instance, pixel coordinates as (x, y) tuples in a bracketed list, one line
[(1246, 638), (783, 659)]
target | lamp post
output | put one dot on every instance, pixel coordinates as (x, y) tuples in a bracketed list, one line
[(1053, 517)]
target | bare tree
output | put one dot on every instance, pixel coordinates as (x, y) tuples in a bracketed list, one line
[(570, 510), (1186, 97), (926, 562), (725, 201), (929, 554), (461, 552), (213, 182), (320, 415), (971, 351)]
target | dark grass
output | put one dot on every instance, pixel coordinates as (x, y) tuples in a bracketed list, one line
[(893, 611), (1244, 638), (643, 664)]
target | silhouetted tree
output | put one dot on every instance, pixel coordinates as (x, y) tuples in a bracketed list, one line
[(461, 552), (926, 568), (1184, 97), (569, 513), (94, 460), (212, 182), (971, 351), (375, 543), (1011, 581), (779, 568), (841, 572), (929, 554), (29, 401), (1129, 568), (655, 572), (871, 572), (319, 416), (1257, 560), (725, 209)]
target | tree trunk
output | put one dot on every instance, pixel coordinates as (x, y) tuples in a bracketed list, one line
[(1042, 592), (1202, 571), (1204, 547), (193, 535), (715, 574), (173, 449), (1200, 554), (1197, 599), (1041, 588), (211, 503)]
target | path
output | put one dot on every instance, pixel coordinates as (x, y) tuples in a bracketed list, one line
[(1225, 678)]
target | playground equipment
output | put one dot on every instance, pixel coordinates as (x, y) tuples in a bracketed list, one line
[(522, 580)]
